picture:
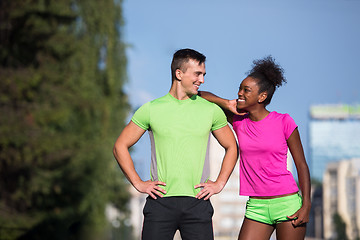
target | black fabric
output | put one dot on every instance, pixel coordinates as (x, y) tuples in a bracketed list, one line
[(191, 216)]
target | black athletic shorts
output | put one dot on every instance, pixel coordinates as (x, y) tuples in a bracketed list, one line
[(191, 216)]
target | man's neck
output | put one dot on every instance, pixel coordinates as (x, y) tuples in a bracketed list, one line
[(177, 92)]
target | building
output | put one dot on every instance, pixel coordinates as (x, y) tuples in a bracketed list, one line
[(341, 191), (334, 134), (314, 229), (136, 205)]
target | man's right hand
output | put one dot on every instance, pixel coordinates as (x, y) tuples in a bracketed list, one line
[(152, 188)]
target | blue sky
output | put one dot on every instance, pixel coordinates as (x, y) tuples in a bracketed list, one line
[(317, 42)]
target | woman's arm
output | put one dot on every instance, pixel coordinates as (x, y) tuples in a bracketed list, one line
[(228, 106), (302, 168)]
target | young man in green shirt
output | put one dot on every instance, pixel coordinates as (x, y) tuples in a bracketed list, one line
[(179, 125)]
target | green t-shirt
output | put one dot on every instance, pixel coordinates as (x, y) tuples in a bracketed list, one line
[(179, 132)]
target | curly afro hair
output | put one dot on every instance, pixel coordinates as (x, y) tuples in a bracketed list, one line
[(269, 74)]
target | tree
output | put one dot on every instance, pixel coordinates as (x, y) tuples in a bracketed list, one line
[(340, 227), (63, 67)]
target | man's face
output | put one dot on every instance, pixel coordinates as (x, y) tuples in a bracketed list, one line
[(192, 77)]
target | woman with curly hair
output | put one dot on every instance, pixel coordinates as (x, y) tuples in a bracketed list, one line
[(264, 138)]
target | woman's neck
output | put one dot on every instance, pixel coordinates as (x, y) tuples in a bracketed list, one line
[(259, 114)]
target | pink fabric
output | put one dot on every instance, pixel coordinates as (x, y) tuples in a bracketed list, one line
[(263, 155)]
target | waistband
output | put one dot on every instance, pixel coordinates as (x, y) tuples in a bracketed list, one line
[(275, 200)]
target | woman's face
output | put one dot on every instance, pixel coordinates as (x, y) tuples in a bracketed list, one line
[(248, 95)]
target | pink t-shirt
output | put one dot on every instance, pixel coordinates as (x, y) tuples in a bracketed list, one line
[(263, 154)]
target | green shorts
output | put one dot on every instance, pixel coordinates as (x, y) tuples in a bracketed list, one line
[(273, 211)]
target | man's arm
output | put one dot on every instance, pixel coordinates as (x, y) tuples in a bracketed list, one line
[(227, 140), (128, 137)]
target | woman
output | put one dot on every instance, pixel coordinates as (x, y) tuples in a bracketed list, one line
[(264, 139)]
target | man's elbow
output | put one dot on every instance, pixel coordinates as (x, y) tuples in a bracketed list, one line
[(116, 150), (119, 149)]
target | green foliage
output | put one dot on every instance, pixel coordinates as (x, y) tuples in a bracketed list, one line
[(63, 67), (340, 227), (316, 183)]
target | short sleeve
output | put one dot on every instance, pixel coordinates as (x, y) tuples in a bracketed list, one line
[(219, 118), (289, 125), (142, 116)]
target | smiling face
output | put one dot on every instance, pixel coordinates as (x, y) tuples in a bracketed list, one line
[(249, 96), (191, 77)]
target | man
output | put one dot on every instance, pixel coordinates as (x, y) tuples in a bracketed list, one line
[(179, 125)]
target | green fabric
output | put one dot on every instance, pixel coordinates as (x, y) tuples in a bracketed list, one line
[(273, 211), (180, 130)]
